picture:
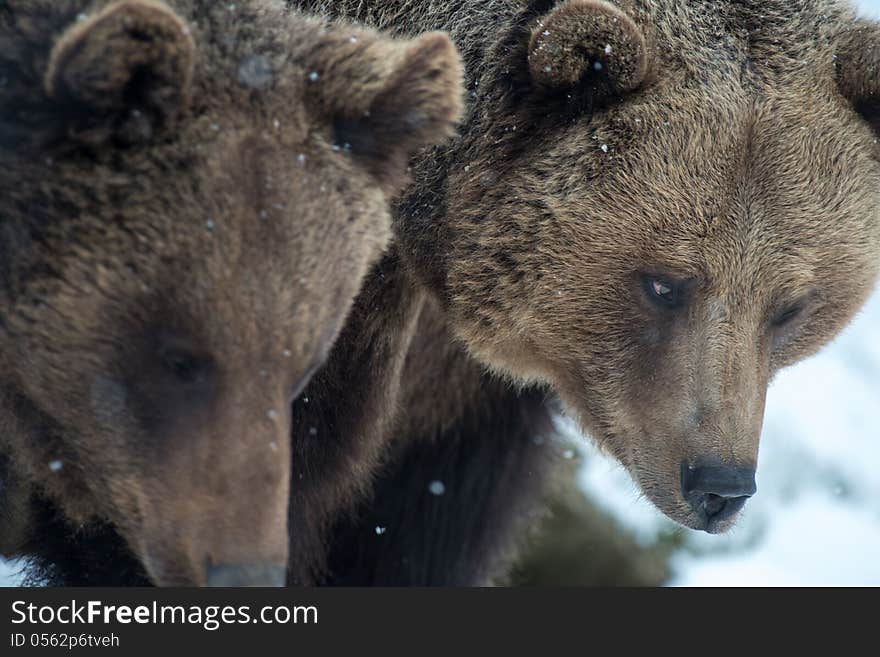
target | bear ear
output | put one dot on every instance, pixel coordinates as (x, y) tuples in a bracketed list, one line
[(125, 70), (391, 97), (858, 69), (588, 42)]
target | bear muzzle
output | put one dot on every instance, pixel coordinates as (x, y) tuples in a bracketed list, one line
[(247, 575), (717, 493)]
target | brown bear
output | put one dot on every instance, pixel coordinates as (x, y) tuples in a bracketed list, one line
[(191, 193), (651, 208)]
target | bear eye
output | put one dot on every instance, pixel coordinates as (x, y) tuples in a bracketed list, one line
[(661, 291), (788, 315), (184, 366)]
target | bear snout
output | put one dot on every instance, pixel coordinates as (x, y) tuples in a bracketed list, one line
[(717, 493), (247, 575)]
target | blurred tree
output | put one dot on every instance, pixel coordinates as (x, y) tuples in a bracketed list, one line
[(579, 544)]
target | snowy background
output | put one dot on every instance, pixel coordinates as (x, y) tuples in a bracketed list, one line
[(816, 518)]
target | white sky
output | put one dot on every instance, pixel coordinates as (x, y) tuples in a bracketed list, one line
[(870, 7)]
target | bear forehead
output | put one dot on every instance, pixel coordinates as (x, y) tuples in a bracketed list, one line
[(247, 217), (762, 182), (698, 155), (775, 29)]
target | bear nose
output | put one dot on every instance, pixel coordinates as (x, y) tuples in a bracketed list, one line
[(247, 575), (717, 493)]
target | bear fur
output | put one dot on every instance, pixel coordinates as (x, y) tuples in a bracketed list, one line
[(646, 240), (191, 194)]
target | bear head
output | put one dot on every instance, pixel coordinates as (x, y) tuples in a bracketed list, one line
[(190, 196), (656, 207)]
